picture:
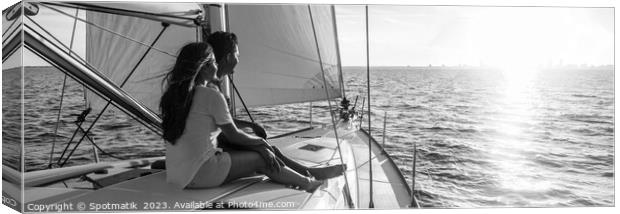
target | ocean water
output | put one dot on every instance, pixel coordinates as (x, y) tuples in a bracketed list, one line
[(485, 138)]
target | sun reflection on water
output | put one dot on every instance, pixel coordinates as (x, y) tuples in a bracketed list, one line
[(512, 145)]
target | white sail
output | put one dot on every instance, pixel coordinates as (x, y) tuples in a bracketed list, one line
[(116, 56), (279, 63), (279, 59)]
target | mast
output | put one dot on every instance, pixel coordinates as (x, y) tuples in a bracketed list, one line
[(370, 203), (215, 16), (230, 78)]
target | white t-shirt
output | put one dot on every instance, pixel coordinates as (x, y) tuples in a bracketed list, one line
[(199, 139)]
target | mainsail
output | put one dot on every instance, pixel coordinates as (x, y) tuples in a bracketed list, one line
[(120, 45), (131, 45), (279, 63)]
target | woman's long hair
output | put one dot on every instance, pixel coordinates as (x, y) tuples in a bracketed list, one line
[(179, 83)]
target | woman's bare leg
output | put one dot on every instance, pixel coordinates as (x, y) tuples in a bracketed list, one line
[(245, 163), (320, 173)]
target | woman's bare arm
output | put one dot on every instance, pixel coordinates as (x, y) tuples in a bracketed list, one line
[(239, 137)]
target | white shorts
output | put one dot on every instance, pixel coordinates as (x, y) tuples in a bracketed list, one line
[(213, 172)]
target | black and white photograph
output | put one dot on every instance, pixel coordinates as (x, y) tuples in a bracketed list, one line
[(140, 106)]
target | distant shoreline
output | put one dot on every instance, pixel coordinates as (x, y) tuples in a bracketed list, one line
[(484, 67)]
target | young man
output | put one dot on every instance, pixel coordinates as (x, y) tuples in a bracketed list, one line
[(226, 51)]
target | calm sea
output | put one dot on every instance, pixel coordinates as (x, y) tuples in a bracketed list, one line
[(485, 138)]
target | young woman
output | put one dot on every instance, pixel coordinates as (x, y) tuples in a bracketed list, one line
[(194, 113)]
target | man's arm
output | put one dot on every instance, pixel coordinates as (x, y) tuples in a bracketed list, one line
[(242, 123), (256, 128), (254, 143)]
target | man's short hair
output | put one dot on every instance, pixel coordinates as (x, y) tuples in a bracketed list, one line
[(223, 43)]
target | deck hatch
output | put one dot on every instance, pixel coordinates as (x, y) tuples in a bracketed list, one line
[(312, 147)]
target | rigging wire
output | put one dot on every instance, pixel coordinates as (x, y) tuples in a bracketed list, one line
[(318, 50), (61, 49), (242, 102), (110, 31), (62, 94), (52, 36), (165, 26), (102, 9), (60, 45), (97, 146), (87, 110), (79, 124)]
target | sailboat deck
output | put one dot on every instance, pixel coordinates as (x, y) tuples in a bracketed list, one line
[(153, 189), (390, 190)]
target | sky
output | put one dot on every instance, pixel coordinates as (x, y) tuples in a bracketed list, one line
[(495, 36), (457, 35)]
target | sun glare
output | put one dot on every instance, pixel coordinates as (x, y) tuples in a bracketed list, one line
[(513, 42)]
